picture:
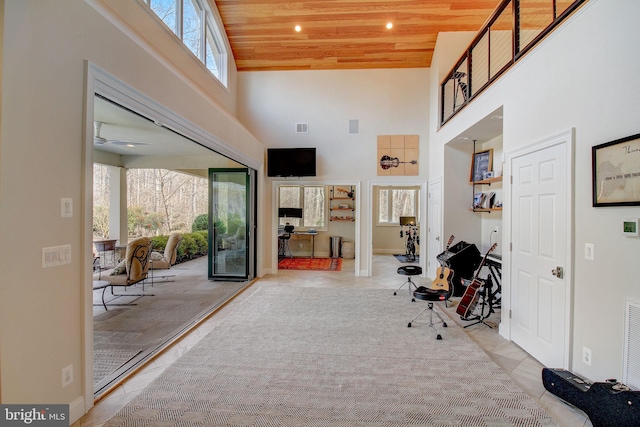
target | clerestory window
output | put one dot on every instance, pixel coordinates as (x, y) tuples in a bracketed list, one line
[(196, 25)]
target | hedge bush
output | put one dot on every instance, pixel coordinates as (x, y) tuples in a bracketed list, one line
[(192, 245)]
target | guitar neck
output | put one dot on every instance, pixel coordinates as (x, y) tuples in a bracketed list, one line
[(484, 260)]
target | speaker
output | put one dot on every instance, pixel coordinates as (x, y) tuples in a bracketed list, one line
[(463, 258), (353, 126)]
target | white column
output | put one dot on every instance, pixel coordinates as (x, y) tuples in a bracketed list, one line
[(118, 205)]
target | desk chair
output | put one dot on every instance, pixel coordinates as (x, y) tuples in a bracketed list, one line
[(432, 296), (285, 250)]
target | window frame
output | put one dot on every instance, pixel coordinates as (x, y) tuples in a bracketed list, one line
[(301, 188), (390, 188)]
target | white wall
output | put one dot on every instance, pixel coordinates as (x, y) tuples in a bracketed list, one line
[(386, 102), (42, 143), (585, 75)]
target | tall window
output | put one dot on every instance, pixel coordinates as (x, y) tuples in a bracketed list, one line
[(195, 24), (312, 200), (396, 202)]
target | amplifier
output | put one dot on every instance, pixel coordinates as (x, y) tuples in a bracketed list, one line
[(607, 404)]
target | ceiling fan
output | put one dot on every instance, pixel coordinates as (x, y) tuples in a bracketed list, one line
[(100, 140)]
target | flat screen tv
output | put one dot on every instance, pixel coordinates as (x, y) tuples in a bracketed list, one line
[(291, 162)]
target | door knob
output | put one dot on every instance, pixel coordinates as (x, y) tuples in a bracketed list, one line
[(558, 272)]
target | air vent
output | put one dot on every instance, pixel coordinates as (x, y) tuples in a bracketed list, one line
[(631, 369), (302, 127), (353, 126)]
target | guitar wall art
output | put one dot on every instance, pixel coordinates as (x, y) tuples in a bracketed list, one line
[(398, 155)]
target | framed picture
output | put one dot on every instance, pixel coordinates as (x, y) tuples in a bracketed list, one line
[(481, 163), (615, 173)]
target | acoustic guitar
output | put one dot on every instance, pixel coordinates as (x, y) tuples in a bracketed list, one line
[(442, 282), (469, 300)]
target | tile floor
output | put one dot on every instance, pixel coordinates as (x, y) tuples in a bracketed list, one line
[(523, 369)]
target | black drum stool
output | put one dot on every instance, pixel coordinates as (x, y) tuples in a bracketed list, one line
[(409, 270), (431, 295)]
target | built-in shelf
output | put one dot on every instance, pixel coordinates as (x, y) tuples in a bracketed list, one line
[(347, 210)]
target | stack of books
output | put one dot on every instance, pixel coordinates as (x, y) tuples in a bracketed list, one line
[(484, 200)]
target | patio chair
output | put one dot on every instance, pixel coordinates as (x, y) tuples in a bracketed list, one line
[(136, 268), (164, 261)]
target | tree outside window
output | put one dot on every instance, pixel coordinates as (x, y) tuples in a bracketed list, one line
[(312, 200), (396, 202)]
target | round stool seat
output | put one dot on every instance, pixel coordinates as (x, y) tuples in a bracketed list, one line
[(410, 270), (427, 294)]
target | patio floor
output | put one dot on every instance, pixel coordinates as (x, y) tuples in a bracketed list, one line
[(122, 335)]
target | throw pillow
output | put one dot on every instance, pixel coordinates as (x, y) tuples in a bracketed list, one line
[(119, 269)]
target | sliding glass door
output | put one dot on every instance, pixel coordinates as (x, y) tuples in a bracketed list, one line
[(231, 224)]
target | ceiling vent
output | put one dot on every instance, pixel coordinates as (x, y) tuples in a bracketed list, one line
[(302, 127)]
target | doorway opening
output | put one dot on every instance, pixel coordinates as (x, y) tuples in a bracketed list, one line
[(157, 183)]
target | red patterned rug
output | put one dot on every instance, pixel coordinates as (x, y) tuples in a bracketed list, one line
[(324, 264)]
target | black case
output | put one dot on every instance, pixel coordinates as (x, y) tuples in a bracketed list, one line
[(602, 402)]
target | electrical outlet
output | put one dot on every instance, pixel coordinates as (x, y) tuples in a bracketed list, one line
[(67, 375), (586, 356)]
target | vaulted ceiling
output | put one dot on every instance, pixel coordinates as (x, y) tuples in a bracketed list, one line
[(343, 34)]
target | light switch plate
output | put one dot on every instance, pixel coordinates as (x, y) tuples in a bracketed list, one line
[(66, 207)]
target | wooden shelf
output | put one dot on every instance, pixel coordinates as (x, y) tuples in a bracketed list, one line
[(342, 219), (487, 181), (342, 209), (486, 210)]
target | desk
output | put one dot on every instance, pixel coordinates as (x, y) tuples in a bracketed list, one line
[(313, 240), (301, 233)]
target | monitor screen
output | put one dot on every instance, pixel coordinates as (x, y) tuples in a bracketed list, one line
[(291, 162)]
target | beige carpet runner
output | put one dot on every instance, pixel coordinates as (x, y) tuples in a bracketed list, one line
[(331, 357)]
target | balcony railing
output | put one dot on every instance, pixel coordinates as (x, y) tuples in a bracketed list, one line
[(514, 28)]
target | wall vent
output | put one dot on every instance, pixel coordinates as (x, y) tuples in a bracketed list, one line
[(302, 127), (631, 369), (353, 126)]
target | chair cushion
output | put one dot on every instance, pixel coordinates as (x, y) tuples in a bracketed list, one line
[(137, 258), (170, 251)]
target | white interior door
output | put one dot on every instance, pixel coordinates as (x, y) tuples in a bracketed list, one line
[(540, 208), (434, 238)]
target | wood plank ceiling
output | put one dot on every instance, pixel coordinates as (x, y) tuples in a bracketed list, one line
[(344, 34)]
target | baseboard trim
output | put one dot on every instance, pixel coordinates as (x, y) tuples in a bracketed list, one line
[(76, 410)]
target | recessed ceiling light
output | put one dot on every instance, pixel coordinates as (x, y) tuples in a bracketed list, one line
[(298, 28), (389, 25)]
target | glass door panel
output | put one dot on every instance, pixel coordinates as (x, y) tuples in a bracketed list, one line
[(229, 224)]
